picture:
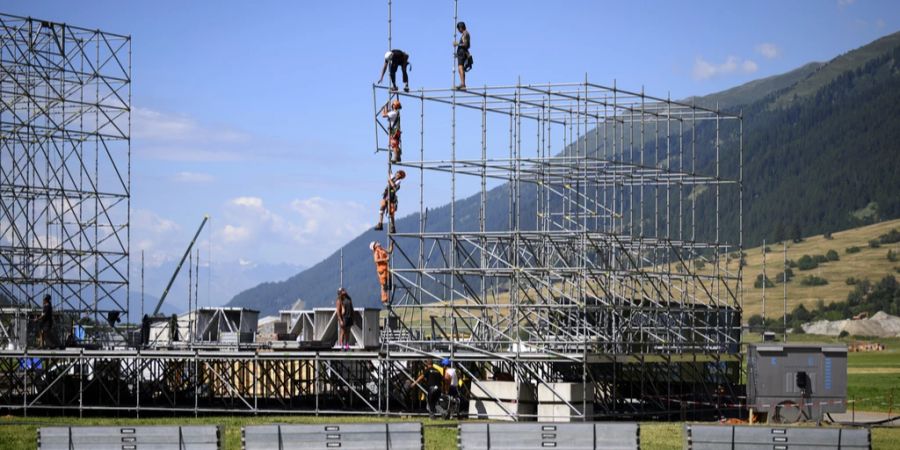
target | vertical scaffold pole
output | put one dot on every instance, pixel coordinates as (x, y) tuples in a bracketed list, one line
[(452, 252)]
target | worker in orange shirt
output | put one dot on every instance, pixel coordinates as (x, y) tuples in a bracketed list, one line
[(382, 257)]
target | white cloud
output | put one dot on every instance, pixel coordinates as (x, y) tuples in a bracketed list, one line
[(843, 3), (749, 66), (155, 125), (337, 219), (704, 69), (250, 202), (233, 233), (879, 24), (193, 177), (177, 137), (302, 231), (768, 50), (156, 236)]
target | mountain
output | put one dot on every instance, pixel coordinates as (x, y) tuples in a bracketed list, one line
[(755, 90), (820, 154)]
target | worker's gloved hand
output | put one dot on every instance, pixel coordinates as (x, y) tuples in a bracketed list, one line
[(454, 43)]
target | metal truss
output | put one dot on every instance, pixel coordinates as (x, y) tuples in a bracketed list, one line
[(598, 241), (327, 383), (65, 166)]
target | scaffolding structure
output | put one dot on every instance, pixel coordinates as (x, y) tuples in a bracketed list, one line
[(581, 243), (589, 239), (65, 167)]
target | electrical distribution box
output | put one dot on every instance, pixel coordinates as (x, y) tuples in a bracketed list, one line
[(797, 382)]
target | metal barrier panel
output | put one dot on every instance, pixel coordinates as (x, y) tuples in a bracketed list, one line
[(703, 437), (204, 437), (571, 436), (365, 436)]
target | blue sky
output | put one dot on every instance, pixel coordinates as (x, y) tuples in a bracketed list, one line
[(259, 113)]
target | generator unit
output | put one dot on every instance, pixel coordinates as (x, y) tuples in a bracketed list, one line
[(797, 382)]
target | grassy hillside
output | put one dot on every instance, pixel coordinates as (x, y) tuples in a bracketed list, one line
[(868, 263)]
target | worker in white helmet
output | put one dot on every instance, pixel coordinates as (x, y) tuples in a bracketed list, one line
[(396, 58)]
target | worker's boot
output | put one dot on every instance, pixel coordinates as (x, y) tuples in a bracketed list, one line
[(379, 226), (393, 230), (406, 87)]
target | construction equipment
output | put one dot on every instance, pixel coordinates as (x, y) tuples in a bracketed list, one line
[(162, 298)]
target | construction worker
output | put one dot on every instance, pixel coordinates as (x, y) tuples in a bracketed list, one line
[(45, 323), (389, 200), (382, 257), (396, 58), (433, 376), (451, 378), (463, 57), (344, 313), (391, 111)]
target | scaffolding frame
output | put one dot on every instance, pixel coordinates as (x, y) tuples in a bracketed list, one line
[(602, 265), (65, 167)]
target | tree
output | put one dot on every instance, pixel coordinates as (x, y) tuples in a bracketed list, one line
[(796, 234), (807, 262), (779, 231), (801, 313), (832, 255)]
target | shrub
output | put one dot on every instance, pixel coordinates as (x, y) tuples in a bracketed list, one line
[(784, 277), (807, 262), (828, 235), (874, 243), (791, 263), (797, 328), (843, 334), (892, 256), (832, 255), (812, 280), (820, 259), (767, 249), (853, 249), (890, 237), (761, 280), (851, 281), (699, 264), (755, 321), (801, 313)]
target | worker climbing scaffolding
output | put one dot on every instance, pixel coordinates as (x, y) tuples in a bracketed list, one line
[(395, 59), (382, 258), (389, 200), (391, 112)]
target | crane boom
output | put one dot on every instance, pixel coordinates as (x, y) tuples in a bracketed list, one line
[(162, 298)]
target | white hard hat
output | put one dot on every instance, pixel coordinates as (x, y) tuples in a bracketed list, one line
[(387, 55), (372, 245)]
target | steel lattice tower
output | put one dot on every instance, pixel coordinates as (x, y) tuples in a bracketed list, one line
[(65, 166)]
